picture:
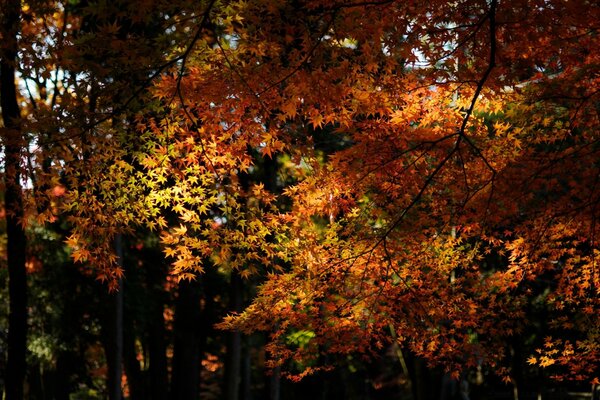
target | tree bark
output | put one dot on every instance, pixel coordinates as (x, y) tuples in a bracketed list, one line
[(131, 364), (233, 361), (118, 366), (112, 333), (186, 347), (157, 334), (247, 369), (275, 384), (16, 242), (157, 349), (517, 367)]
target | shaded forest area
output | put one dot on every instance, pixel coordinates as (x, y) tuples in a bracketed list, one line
[(299, 199)]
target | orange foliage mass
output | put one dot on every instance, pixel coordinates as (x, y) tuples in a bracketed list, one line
[(457, 181)]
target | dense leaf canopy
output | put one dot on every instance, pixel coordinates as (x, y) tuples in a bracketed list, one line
[(438, 164)]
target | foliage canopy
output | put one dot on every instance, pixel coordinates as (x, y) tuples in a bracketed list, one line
[(438, 163)]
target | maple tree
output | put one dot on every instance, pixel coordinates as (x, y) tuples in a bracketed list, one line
[(439, 162), (469, 172)]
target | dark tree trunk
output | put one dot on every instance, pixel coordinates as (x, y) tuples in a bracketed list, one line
[(186, 347), (247, 369), (130, 362), (16, 242), (275, 384), (233, 360), (157, 343), (64, 365), (420, 391), (118, 361), (112, 332), (270, 169), (157, 351), (110, 341), (426, 381), (516, 366)]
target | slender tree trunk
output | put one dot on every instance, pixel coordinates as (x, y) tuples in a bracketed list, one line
[(186, 347), (130, 360), (517, 367), (118, 371), (64, 367), (275, 384), (157, 343), (233, 361), (247, 369), (109, 342), (16, 241), (426, 382), (270, 169), (157, 351), (112, 334)]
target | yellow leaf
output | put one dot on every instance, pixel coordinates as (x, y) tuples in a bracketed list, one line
[(546, 361), (182, 230)]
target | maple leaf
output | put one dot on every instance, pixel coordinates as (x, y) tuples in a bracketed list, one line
[(546, 361)]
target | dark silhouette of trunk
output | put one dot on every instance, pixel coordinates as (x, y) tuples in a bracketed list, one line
[(186, 347), (144, 301), (233, 360), (115, 389), (13, 199), (157, 351), (426, 381), (421, 388), (269, 170), (109, 343), (516, 354), (157, 343), (247, 367), (64, 364), (130, 362), (112, 332), (275, 384)]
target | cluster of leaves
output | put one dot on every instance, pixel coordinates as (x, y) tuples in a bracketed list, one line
[(466, 183)]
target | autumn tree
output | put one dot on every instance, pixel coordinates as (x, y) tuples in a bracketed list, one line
[(460, 175), (466, 173), (470, 132)]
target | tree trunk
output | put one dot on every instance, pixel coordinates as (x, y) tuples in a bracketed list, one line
[(275, 384), (62, 372), (247, 369), (157, 342), (233, 361), (186, 347), (109, 344), (118, 366), (426, 381), (157, 351), (131, 364), (112, 333), (517, 367), (16, 241)]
